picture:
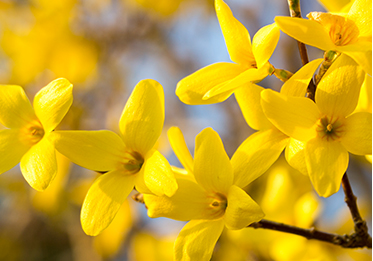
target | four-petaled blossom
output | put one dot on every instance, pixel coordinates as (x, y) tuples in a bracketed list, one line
[(327, 128), (211, 201), (349, 33), (29, 127), (128, 160), (216, 82)]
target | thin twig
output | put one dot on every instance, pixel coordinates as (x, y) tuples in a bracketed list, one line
[(360, 226), (346, 241)]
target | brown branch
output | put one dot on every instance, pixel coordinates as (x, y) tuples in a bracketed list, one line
[(346, 241), (360, 226)]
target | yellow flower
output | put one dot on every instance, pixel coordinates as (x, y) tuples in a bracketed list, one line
[(128, 160), (327, 129), (261, 149), (27, 138), (349, 33), (216, 82), (211, 202)]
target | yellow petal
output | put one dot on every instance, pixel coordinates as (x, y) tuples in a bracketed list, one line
[(242, 210), (248, 76), (189, 202), (192, 88), (142, 119), (364, 59), (306, 31), (264, 43), (248, 98), (357, 137), (177, 141), (294, 116), (158, 175), (336, 5), (212, 167), (52, 102), (39, 164), (337, 93), (11, 149), (361, 13), (103, 200), (365, 97), (95, 150), (298, 83), (326, 163), (294, 154), (15, 108), (256, 154), (197, 239), (237, 38)]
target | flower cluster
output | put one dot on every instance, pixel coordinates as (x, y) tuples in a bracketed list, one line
[(316, 135)]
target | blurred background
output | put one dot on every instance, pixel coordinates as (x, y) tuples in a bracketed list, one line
[(104, 47)]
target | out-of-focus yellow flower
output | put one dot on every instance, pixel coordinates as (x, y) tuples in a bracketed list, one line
[(337, 5), (216, 82), (27, 139), (161, 7), (146, 247), (128, 160), (327, 128), (42, 42)]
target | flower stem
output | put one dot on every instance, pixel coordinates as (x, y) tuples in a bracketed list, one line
[(346, 241)]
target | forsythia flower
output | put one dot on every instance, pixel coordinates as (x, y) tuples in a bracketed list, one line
[(27, 139), (349, 33), (128, 160), (216, 82), (326, 127), (211, 202)]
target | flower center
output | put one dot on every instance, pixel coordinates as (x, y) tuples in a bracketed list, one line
[(218, 205), (330, 129), (132, 162), (342, 31), (32, 133)]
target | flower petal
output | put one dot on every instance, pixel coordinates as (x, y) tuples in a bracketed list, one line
[(177, 141), (11, 149), (158, 175), (264, 43), (297, 84), (337, 93), (326, 163), (306, 31), (242, 210), (142, 119), (39, 164), (96, 150), (237, 38), (189, 202), (212, 167), (197, 239), (103, 200), (192, 88), (364, 59), (52, 102), (361, 13), (15, 107), (294, 116), (294, 154), (248, 76), (256, 154), (248, 98), (358, 133)]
